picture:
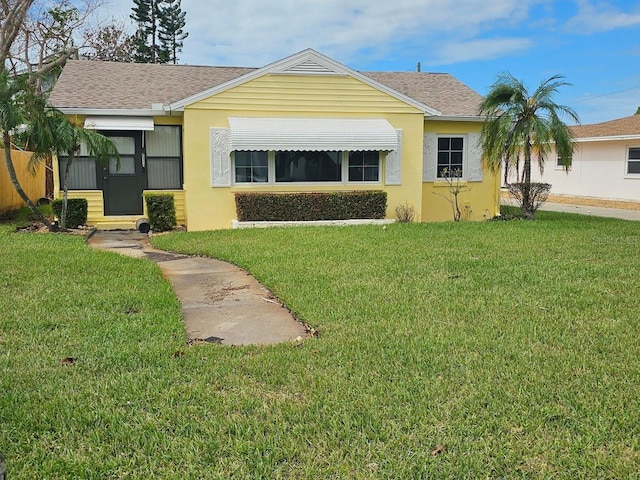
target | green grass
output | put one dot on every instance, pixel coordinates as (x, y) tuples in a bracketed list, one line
[(514, 345)]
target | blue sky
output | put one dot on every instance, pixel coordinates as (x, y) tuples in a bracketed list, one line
[(595, 44)]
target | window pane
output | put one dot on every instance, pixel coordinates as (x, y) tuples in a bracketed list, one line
[(456, 144), (634, 154), (633, 167), (371, 174), (125, 145), (163, 141), (251, 166), (163, 173), (127, 166), (444, 143), (82, 174), (356, 174), (308, 166), (364, 166)]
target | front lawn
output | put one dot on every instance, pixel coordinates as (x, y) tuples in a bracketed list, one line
[(495, 349)]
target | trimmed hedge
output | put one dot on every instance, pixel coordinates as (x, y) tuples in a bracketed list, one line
[(283, 207), (161, 210), (77, 209)]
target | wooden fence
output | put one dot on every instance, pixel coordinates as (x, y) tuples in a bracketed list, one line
[(33, 185)]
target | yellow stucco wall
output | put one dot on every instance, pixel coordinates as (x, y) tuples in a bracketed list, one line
[(293, 96), (480, 202)]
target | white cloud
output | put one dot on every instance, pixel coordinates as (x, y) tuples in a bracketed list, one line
[(257, 32), (601, 18), (480, 49)]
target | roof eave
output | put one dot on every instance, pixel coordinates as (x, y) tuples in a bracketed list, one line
[(121, 112), (607, 138), (456, 118)]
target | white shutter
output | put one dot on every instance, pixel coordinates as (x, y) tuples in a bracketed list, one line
[(220, 157), (393, 164), (474, 158), (429, 157)]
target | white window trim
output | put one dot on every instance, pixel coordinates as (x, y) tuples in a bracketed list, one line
[(271, 159), (465, 155), (634, 176)]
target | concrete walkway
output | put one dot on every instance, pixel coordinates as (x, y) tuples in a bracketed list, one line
[(221, 303), (590, 210)]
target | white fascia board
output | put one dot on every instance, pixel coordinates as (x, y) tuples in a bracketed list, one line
[(115, 112), (607, 139), (458, 118), (281, 66)]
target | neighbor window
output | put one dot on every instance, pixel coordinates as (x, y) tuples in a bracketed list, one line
[(563, 162), (163, 157), (251, 167), (633, 161), (450, 154)]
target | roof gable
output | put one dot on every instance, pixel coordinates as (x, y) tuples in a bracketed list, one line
[(307, 62)]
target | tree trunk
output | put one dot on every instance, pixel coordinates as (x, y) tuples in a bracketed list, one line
[(65, 191), (527, 207), (16, 184)]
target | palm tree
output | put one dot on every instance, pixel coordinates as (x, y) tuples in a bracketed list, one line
[(518, 123), (18, 102)]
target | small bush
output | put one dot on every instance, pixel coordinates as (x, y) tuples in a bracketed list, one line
[(282, 207), (405, 213), (162, 211), (77, 209)]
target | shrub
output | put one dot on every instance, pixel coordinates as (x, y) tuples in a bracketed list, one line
[(529, 196), (77, 209), (161, 210), (405, 213), (274, 207)]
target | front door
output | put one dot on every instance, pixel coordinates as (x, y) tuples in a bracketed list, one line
[(123, 187)]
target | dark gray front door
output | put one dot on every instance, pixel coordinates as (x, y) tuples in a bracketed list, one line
[(123, 187)]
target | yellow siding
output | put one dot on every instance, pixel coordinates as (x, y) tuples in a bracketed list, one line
[(293, 96), (95, 214), (309, 94), (33, 185), (481, 202)]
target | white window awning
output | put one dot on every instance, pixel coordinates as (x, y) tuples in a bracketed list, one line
[(312, 134), (118, 123)]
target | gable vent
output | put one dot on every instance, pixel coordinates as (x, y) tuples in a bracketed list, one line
[(310, 67)]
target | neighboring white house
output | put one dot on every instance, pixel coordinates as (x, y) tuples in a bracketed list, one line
[(604, 167)]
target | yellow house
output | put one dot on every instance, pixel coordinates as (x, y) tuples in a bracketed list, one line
[(305, 123)]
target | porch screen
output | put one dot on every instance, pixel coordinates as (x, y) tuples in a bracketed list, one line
[(164, 158), (82, 174)]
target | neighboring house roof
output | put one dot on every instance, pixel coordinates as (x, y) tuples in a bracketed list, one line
[(94, 85), (620, 128)]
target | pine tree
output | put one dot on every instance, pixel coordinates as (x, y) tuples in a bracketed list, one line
[(146, 13), (171, 29)]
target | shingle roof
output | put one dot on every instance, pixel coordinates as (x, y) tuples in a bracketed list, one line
[(613, 128), (111, 85), (441, 91), (93, 84)]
